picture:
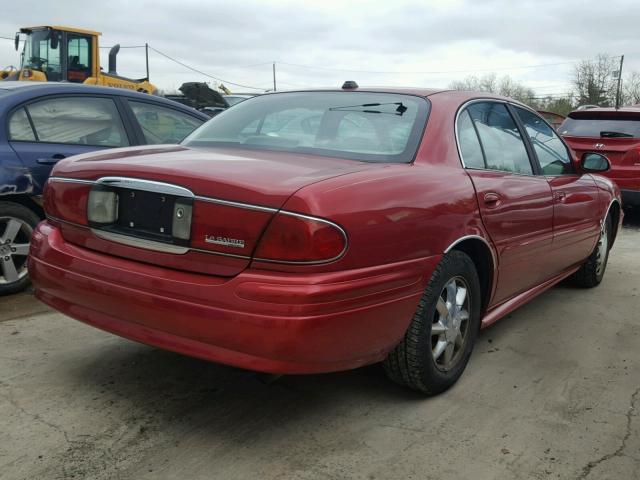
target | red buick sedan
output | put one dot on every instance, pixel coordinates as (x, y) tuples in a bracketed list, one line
[(317, 231)]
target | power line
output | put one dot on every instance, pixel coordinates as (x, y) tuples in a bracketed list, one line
[(317, 67), (201, 72), (126, 46)]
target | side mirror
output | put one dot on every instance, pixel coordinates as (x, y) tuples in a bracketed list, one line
[(54, 40), (594, 162), (16, 41)]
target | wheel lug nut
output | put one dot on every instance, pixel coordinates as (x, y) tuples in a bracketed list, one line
[(6, 259)]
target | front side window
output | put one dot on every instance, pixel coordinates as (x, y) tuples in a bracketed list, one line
[(78, 121), (503, 146), (161, 124), (552, 154), (20, 128), (365, 126)]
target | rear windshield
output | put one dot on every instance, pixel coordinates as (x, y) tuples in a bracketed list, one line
[(579, 127), (365, 126)]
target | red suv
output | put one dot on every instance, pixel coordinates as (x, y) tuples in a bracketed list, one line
[(614, 133)]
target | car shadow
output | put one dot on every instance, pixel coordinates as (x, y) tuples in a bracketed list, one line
[(631, 218)]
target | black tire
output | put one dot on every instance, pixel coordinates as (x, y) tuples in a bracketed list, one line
[(29, 219), (412, 362), (592, 271)]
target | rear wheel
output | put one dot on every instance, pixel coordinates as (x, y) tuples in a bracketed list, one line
[(16, 225), (592, 271), (437, 346)]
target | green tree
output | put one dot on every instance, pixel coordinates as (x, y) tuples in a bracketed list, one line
[(594, 81)]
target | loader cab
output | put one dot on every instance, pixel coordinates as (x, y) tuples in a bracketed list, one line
[(56, 54)]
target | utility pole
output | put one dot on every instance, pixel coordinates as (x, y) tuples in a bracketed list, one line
[(274, 76), (146, 54), (619, 83)]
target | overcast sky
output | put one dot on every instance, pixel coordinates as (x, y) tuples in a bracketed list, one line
[(392, 42)]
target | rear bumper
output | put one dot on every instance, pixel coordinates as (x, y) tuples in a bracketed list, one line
[(259, 320), (630, 198)]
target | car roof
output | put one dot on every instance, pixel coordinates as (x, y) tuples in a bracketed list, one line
[(459, 95), (634, 108), (606, 113), (26, 90), (421, 92)]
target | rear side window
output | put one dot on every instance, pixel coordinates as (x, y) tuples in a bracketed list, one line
[(552, 155), (595, 127), (20, 128), (470, 148), (503, 146), (78, 121), (161, 124)]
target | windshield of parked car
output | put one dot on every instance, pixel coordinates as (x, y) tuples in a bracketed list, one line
[(596, 127), (365, 126)]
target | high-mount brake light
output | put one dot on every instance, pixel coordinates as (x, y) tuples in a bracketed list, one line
[(292, 238)]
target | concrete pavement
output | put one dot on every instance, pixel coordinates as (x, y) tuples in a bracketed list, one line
[(551, 392)]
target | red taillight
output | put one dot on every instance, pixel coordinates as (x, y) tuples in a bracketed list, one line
[(66, 201), (301, 239)]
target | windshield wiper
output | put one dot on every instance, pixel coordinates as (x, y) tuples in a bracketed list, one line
[(610, 134), (356, 108)]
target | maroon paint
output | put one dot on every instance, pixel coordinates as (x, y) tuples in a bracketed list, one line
[(399, 219)]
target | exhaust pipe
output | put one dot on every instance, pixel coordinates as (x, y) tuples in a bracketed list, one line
[(112, 59)]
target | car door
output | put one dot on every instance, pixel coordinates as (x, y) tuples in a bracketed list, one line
[(575, 225), (159, 124), (44, 131), (516, 205)]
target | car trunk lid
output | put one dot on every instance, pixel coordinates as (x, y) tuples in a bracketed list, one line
[(229, 196)]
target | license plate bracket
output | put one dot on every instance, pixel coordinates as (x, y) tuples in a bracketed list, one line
[(147, 215)]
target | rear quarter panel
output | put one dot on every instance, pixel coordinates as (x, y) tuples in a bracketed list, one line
[(396, 213)]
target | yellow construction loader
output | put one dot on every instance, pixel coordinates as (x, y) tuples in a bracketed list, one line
[(63, 54)]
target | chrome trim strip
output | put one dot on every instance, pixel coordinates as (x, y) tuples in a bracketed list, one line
[(146, 185), (71, 180), (160, 187), (477, 237), (59, 220), (606, 214), (169, 189), (139, 242), (463, 107), (229, 203), (210, 252)]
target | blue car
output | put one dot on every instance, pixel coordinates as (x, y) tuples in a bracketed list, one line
[(42, 123)]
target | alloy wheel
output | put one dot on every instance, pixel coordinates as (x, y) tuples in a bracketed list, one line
[(14, 248), (450, 327)]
